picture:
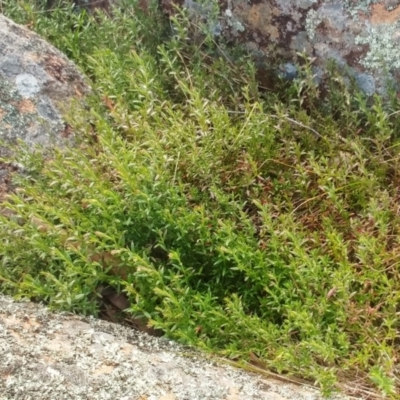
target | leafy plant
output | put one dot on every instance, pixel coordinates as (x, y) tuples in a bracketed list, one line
[(258, 226)]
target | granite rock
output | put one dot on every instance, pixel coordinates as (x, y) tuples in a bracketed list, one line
[(362, 37), (37, 85), (59, 356)]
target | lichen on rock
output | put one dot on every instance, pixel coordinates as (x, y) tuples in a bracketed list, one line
[(37, 84), (360, 36)]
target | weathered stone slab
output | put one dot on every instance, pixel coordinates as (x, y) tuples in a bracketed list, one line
[(60, 356)]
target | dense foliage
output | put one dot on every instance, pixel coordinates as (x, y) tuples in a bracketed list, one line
[(260, 225)]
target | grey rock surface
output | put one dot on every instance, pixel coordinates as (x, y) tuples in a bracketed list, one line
[(362, 36), (55, 356), (37, 84)]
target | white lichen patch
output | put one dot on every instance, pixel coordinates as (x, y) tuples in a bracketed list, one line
[(313, 19), (233, 22), (354, 7), (383, 42)]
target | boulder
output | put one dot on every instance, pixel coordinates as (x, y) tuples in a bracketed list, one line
[(362, 37), (37, 85)]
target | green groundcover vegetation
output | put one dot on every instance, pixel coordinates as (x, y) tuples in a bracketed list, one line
[(257, 225)]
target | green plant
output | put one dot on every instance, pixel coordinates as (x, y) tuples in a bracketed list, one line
[(239, 222)]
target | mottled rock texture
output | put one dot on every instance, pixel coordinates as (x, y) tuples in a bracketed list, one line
[(363, 36), (59, 356), (37, 84)]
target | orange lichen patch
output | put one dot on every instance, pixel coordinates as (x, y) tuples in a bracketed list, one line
[(126, 349), (25, 106), (54, 67), (379, 14), (58, 344), (67, 131), (260, 16), (27, 323), (78, 93), (168, 396), (103, 370), (2, 113), (33, 57), (233, 394)]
